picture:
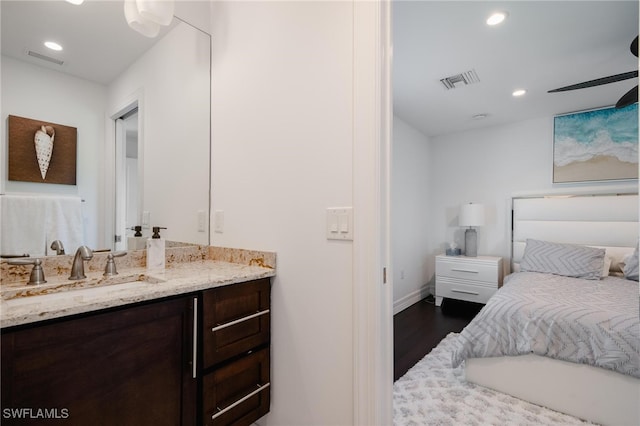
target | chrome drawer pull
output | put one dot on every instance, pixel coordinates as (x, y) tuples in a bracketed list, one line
[(238, 321), (471, 271), (241, 400), (194, 369), (465, 292)]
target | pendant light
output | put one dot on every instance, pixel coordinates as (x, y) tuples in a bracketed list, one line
[(137, 22), (146, 16), (158, 11)]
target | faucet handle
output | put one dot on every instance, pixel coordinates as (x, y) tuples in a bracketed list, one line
[(37, 273), (110, 268)]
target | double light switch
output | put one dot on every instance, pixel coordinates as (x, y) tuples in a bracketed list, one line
[(340, 223)]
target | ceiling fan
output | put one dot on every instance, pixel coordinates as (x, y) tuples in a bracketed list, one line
[(631, 97)]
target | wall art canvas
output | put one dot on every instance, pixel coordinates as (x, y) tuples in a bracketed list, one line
[(41, 151), (596, 145)]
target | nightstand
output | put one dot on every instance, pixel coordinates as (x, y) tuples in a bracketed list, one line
[(474, 279)]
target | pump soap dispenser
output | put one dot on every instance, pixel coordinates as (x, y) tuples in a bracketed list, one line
[(155, 251), (136, 242)]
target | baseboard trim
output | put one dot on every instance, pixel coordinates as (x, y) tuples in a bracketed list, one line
[(410, 299)]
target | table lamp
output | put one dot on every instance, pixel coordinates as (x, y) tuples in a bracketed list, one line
[(471, 215)]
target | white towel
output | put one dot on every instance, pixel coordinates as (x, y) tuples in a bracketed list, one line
[(23, 225), (64, 223)]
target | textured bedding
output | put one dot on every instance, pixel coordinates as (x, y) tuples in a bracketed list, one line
[(592, 322)]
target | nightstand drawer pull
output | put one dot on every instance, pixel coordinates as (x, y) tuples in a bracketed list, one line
[(238, 321), (471, 271), (465, 292), (241, 400)]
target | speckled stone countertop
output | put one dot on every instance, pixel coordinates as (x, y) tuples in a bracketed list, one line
[(189, 269)]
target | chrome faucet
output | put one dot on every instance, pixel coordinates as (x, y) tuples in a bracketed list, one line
[(77, 268), (58, 247)]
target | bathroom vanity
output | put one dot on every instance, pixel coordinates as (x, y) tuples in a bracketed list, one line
[(190, 346)]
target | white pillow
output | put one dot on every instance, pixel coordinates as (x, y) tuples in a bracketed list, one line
[(606, 267), (630, 269)]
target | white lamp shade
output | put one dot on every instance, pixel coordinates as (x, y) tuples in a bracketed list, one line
[(158, 11), (137, 22), (471, 215)]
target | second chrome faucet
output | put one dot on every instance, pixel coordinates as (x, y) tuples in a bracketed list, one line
[(77, 267)]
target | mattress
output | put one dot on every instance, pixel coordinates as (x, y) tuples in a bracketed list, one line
[(593, 322)]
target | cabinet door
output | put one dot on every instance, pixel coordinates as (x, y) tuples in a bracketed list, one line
[(126, 367), (236, 318)]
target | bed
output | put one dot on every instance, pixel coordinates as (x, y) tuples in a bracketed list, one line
[(570, 343)]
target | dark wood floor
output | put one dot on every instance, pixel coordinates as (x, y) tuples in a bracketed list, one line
[(420, 327)]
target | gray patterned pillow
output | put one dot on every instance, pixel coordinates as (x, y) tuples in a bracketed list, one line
[(569, 260), (631, 266)]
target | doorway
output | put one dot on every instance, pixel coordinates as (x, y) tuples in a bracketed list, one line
[(127, 182)]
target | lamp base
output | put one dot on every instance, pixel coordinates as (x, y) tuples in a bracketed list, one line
[(471, 243)]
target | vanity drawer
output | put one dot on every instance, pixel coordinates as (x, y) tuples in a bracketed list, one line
[(475, 270), (237, 393), (236, 318)]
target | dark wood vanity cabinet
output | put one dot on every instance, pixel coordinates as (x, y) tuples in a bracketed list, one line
[(129, 366), (135, 365), (235, 341)]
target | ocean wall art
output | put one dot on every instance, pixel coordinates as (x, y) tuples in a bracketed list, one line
[(596, 145)]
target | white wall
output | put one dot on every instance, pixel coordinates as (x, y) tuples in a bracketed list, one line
[(282, 153), (489, 166), (411, 203), (171, 81), (39, 93)]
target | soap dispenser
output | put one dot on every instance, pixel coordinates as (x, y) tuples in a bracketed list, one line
[(155, 251), (136, 242)]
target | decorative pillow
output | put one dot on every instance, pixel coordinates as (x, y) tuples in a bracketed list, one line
[(569, 260), (630, 269), (606, 267)]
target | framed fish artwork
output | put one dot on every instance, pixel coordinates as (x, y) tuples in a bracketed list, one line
[(40, 151)]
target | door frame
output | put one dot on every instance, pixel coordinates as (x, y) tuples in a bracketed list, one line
[(372, 273), (136, 99)]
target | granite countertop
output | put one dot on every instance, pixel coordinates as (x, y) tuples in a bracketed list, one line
[(207, 268)]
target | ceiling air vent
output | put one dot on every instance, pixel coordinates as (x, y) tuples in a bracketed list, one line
[(44, 57), (459, 80)]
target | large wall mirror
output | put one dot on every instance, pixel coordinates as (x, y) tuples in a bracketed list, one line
[(141, 107)]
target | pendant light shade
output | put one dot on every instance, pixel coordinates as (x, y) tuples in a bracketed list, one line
[(158, 11), (137, 22)]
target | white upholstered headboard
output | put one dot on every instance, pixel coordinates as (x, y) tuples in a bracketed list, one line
[(609, 221)]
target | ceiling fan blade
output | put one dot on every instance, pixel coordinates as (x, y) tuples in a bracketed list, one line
[(629, 98), (634, 47), (597, 82)]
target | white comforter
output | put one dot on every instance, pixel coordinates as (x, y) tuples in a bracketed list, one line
[(593, 322)]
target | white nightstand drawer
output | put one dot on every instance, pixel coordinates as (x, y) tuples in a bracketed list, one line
[(462, 268), (456, 289)]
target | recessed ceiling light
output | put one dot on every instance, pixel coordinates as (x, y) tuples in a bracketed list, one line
[(76, 2), (496, 18), (519, 92), (480, 116), (52, 45)]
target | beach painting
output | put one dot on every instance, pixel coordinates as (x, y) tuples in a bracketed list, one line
[(596, 145)]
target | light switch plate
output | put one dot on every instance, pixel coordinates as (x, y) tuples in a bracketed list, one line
[(146, 219), (202, 219), (218, 221), (340, 223)]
